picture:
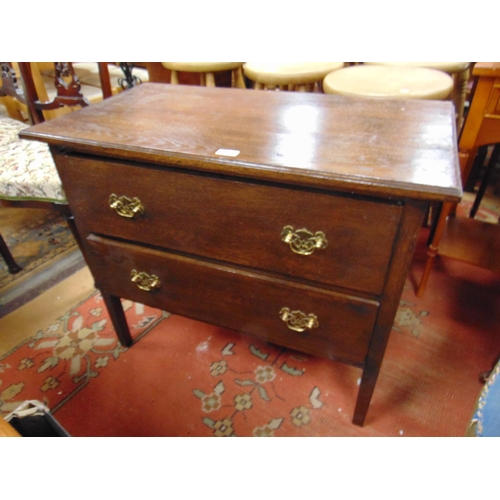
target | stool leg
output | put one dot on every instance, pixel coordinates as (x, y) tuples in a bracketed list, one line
[(174, 77), (461, 80), (12, 265), (210, 80), (239, 81)]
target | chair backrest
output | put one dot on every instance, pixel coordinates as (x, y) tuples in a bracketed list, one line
[(11, 94), (67, 86)]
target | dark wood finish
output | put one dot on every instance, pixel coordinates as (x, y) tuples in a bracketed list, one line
[(238, 298), (180, 214), (357, 146), (362, 171), (404, 247), (117, 316), (12, 265)]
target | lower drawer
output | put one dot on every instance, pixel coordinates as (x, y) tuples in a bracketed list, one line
[(333, 325)]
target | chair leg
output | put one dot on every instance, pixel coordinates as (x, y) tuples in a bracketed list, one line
[(459, 93), (433, 247), (486, 180), (12, 265)]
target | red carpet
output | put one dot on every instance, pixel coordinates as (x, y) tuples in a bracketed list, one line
[(185, 378)]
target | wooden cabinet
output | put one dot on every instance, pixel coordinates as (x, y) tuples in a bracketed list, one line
[(287, 216)]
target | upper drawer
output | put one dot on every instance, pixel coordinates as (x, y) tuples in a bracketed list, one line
[(238, 221)]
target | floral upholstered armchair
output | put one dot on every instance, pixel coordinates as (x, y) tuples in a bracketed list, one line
[(28, 176), (27, 170)]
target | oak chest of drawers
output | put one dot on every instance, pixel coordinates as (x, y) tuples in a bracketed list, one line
[(287, 216)]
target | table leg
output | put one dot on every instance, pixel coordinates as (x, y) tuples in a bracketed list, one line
[(366, 388), (117, 315)]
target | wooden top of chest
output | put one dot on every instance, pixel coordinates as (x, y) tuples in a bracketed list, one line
[(394, 148)]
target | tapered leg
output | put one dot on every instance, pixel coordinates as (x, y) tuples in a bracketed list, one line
[(365, 393), (13, 266), (117, 315)]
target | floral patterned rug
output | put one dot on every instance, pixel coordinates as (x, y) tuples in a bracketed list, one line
[(47, 253), (186, 378)]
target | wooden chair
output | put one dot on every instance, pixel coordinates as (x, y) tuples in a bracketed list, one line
[(463, 238), (302, 76), (207, 72), (28, 176), (110, 78), (11, 95)]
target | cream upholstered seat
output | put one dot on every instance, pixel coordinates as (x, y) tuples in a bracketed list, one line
[(401, 82), (459, 71), (206, 70), (301, 76), (27, 171)]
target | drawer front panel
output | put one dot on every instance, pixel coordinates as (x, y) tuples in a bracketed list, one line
[(247, 302), (349, 240)]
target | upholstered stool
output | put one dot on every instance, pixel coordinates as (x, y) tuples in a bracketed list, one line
[(459, 71), (206, 70), (402, 82), (304, 76)]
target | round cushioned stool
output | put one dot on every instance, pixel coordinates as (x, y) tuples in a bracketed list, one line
[(304, 76), (207, 70), (402, 82), (459, 71)]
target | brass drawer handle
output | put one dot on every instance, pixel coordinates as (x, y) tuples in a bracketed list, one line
[(298, 321), (126, 207), (144, 280), (303, 241)]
